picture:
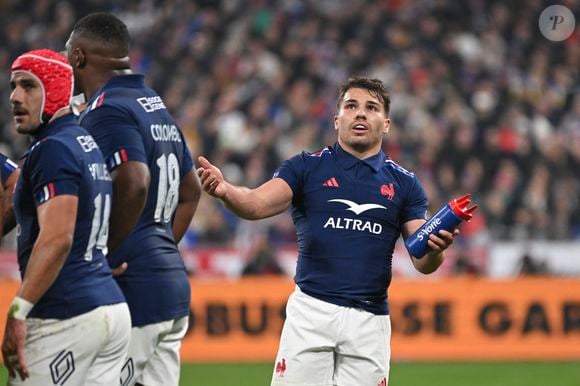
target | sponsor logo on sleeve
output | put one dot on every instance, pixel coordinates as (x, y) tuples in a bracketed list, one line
[(87, 143), (151, 104)]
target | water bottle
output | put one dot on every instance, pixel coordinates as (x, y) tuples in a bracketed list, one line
[(448, 218)]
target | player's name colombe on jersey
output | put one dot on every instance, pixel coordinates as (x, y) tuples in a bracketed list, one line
[(165, 133)]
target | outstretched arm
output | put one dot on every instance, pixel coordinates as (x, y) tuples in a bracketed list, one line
[(269, 199), (437, 245)]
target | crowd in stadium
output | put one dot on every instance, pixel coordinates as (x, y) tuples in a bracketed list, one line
[(482, 103)]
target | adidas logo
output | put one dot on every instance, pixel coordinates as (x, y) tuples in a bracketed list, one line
[(331, 182)]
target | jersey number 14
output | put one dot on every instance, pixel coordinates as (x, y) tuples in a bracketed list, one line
[(100, 226)]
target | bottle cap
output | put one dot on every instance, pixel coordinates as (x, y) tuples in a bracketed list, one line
[(459, 207)]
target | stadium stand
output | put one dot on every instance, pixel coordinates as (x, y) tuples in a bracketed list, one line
[(481, 101)]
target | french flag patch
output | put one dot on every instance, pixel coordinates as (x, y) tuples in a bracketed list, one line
[(47, 193), (10, 165), (7, 169), (118, 158), (98, 102)]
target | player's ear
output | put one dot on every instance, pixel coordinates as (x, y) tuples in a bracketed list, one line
[(78, 58), (336, 122), (387, 125)]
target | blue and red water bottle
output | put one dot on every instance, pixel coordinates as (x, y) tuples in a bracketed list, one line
[(447, 218)]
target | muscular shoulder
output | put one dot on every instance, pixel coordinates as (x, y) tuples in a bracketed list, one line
[(138, 100), (320, 154), (110, 102), (316, 158), (404, 177), (106, 115), (396, 168), (52, 149)]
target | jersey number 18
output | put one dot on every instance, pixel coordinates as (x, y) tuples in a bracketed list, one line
[(168, 188)]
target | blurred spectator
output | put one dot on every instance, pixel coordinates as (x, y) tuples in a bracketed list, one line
[(530, 266), (464, 266), (262, 260)]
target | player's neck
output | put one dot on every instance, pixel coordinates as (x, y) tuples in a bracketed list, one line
[(362, 153), (125, 71), (99, 80), (60, 112)]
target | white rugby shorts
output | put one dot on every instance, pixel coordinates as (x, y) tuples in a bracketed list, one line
[(153, 358), (323, 344), (85, 350)]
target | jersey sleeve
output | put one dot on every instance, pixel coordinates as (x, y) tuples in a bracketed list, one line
[(7, 167), (292, 171), (417, 203), (54, 170), (117, 135)]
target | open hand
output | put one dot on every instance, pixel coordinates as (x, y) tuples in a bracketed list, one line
[(212, 179), (13, 348)]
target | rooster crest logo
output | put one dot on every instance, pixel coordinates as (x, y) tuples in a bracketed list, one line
[(388, 190), (281, 367)]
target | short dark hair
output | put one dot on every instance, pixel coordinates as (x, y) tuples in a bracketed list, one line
[(105, 28), (374, 86)]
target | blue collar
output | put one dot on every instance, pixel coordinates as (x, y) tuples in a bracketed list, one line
[(347, 160), (49, 129), (54, 126), (126, 81), (131, 81)]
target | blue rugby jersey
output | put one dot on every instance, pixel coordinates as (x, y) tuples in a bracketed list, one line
[(7, 167), (348, 215), (64, 159), (130, 123)]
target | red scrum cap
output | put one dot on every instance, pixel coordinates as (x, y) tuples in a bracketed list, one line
[(54, 74)]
